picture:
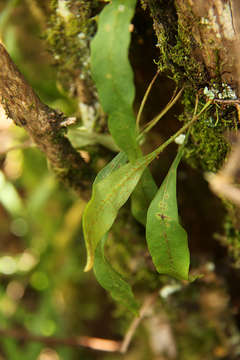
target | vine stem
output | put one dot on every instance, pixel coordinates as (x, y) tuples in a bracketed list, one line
[(155, 120), (145, 99), (156, 152)]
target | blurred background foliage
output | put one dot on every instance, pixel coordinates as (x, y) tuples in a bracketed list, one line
[(41, 250), (43, 290)]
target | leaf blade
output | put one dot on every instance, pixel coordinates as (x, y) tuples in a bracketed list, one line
[(112, 281), (142, 197), (108, 196), (166, 238), (113, 74)]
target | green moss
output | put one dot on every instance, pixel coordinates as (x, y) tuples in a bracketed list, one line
[(176, 44), (207, 146), (68, 35), (179, 60)]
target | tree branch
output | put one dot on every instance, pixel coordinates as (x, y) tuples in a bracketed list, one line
[(43, 124), (87, 341), (77, 341)]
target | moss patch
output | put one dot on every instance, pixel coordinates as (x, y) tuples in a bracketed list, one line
[(176, 44), (207, 146), (71, 26)]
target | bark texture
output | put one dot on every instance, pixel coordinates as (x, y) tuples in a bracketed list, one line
[(216, 32), (44, 125)]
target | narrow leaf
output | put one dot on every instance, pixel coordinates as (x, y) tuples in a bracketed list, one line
[(142, 197), (112, 281), (166, 238), (112, 72), (119, 160), (113, 76), (109, 195)]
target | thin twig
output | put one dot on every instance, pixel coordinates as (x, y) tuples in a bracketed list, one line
[(148, 303), (172, 138), (227, 101), (196, 105), (79, 341)]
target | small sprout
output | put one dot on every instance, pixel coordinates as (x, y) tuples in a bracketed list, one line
[(180, 139)]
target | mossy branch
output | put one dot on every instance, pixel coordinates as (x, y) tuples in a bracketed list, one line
[(43, 124)]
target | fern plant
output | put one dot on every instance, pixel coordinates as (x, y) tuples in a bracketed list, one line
[(127, 175)]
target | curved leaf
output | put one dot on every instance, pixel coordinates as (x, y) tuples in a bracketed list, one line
[(166, 238), (142, 197), (112, 281), (112, 72), (119, 160), (109, 195)]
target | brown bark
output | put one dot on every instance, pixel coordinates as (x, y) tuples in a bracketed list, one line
[(44, 125), (216, 31)]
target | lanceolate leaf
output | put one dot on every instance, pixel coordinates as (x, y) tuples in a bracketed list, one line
[(112, 72), (112, 281), (119, 160), (108, 196), (142, 196), (107, 277), (166, 238)]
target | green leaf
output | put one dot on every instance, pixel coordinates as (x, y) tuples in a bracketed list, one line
[(142, 197), (166, 238), (112, 281), (113, 75), (80, 138), (119, 160), (107, 277), (109, 194)]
